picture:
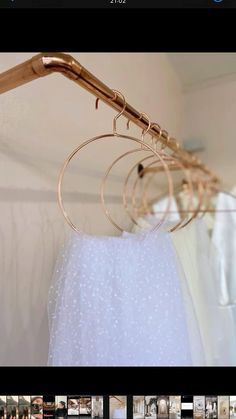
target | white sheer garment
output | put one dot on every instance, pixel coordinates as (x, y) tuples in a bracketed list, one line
[(185, 244), (224, 241), (118, 301), (208, 284), (213, 342), (223, 260), (192, 244)]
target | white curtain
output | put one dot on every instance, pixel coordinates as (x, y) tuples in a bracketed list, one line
[(31, 234)]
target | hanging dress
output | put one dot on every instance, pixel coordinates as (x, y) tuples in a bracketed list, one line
[(222, 257), (185, 246), (118, 301)]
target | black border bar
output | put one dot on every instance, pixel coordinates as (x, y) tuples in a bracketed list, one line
[(118, 4), (117, 380)]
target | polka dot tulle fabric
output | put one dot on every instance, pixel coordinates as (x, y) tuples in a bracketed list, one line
[(117, 301)]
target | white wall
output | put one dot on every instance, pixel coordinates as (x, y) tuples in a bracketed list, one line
[(40, 124), (210, 115)]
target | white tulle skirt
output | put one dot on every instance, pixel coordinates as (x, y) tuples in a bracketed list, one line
[(118, 301)]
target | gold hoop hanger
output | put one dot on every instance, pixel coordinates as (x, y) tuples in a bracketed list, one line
[(164, 157), (173, 161), (145, 147), (164, 154), (80, 147), (167, 156)]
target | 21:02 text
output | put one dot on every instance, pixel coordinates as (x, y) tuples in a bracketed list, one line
[(117, 1)]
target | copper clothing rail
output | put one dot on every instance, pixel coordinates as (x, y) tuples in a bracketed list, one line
[(43, 64)]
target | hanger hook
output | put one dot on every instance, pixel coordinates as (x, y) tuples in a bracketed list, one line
[(97, 100), (140, 116), (155, 124), (96, 103), (144, 132), (164, 145), (122, 110)]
